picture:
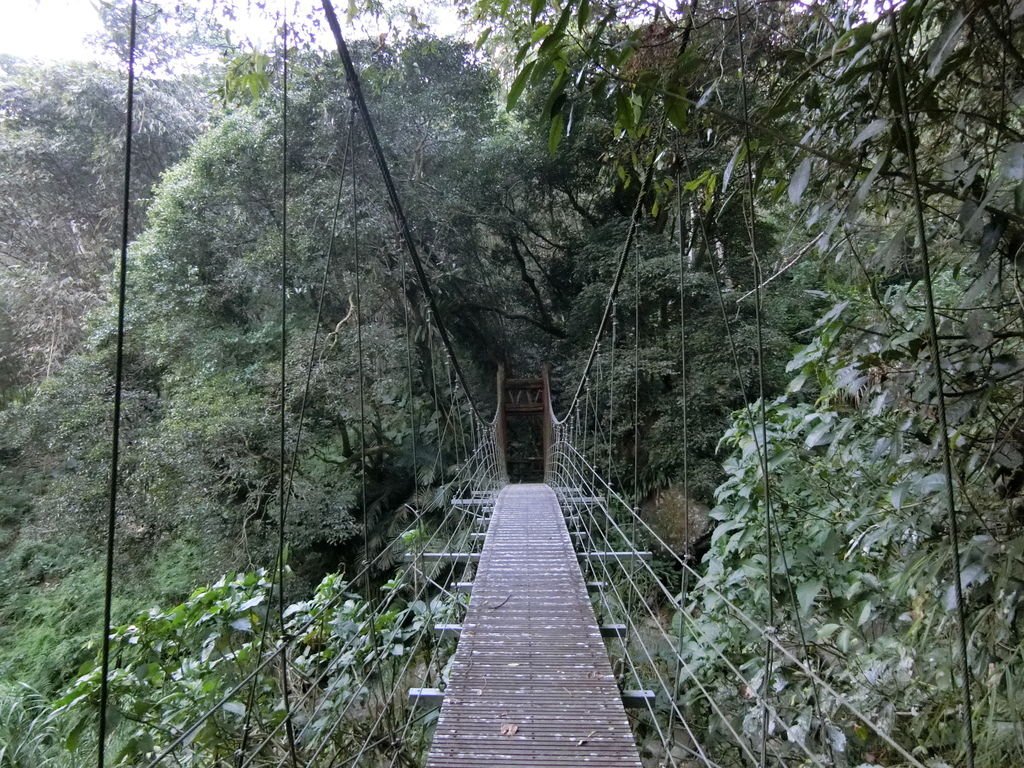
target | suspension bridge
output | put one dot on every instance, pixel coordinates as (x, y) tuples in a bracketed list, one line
[(531, 679), (541, 623)]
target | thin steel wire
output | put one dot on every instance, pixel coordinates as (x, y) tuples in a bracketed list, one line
[(115, 452), (967, 716), (763, 631)]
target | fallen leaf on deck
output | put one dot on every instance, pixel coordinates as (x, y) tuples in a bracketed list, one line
[(583, 741), (509, 729)]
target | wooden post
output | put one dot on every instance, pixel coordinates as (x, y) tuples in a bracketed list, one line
[(501, 426), (548, 423)]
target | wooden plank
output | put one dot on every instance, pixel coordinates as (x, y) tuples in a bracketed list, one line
[(426, 697), (455, 557), (531, 683), (637, 699), (447, 630), (607, 630), (614, 630), (614, 556), (467, 586)]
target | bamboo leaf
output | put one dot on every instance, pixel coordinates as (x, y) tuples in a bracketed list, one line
[(798, 183)]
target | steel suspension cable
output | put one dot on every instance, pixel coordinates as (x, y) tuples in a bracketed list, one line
[(634, 223), (594, 525), (340, 657), (190, 731), (282, 465), (115, 451), (324, 742), (370, 618), (749, 214), (760, 440), (636, 407), (611, 394), (683, 374), (413, 422), (328, 259), (283, 478), (936, 355), (396, 204), (668, 641), (763, 631), (674, 707)]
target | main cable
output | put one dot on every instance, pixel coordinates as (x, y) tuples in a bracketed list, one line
[(356, 91)]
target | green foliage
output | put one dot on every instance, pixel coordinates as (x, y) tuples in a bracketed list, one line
[(30, 735), (862, 581), (174, 665), (61, 164)]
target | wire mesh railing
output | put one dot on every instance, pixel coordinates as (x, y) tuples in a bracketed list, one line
[(666, 650)]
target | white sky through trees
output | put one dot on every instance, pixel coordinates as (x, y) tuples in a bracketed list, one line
[(52, 30), (48, 29)]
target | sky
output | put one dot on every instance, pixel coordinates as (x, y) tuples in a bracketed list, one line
[(59, 29), (47, 29)]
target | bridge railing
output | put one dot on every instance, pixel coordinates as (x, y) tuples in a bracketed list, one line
[(653, 598), (349, 658)]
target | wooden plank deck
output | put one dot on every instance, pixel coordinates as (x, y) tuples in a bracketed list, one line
[(531, 684)]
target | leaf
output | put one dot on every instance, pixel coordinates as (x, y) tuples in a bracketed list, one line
[(518, 85), (820, 435), (558, 32), (896, 494), (1012, 162), (826, 631), (709, 193), (509, 729), (252, 602), (555, 132), (75, 734), (798, 183), (236, 708), (583, 15), (944, 44), (869, 131), (932, 483), (836, 738), (727, 175), (796, 384), (843, 641), (974, 573), (865, 187), (806, 593), (676, 110), (991, 234), (949, 598), (866, 612)]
